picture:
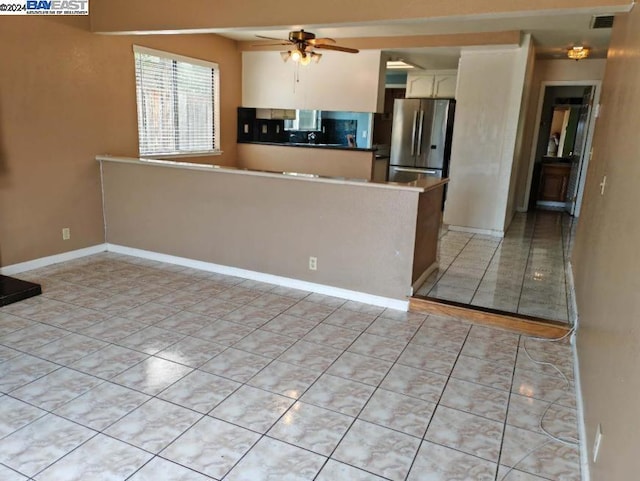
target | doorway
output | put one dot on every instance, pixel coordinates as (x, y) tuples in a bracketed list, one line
[(561, 150)]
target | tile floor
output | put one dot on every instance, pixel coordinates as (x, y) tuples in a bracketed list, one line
[(523, 273), (126, 369)]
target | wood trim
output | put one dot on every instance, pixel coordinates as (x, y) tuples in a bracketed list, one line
[(519, 324)]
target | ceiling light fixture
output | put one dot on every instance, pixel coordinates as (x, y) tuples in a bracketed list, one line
[(578, 53), (401, 64), (300, 56)]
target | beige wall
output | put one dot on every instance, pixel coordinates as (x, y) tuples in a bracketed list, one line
[(548, 71), (352, 164), (363, 236), (66, 95), (606, 266)]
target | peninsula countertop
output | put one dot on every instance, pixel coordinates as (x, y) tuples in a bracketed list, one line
[(421, 185)]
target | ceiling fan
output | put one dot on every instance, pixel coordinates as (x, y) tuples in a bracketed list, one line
[(303, 44)]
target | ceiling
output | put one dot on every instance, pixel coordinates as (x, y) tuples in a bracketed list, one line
[(553, 33)]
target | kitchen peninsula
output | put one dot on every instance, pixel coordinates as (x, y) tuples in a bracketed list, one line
[(372, 241)]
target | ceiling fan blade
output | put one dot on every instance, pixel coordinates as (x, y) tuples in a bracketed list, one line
[(273, 38), (320, 41), (271, 44), (338, 48)]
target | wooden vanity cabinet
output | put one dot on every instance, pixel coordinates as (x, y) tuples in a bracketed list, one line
[(554, 180)]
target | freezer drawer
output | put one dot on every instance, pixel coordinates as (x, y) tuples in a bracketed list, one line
[(409, 174)]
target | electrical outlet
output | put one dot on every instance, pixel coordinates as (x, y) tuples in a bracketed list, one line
[(66, 233), (364, 134), (313, 263), (596, 443)]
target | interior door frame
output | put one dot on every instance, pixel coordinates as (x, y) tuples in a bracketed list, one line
[(597, 85)]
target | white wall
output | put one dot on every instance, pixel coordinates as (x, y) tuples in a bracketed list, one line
[(340, 81), (489, 99)]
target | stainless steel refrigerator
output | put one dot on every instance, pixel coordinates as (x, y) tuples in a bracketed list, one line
[(421, 139)]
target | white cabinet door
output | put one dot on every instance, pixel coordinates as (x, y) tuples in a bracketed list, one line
[(419, 85), (445, 86)]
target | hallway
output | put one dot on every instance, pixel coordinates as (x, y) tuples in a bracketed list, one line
[(523, 273)]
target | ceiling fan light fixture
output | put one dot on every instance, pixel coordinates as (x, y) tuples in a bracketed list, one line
[(305, 59), (296, 55), (316, 57), (285, 56), (578, 52)]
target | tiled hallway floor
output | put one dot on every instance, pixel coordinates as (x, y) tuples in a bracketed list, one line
[(523, 273), (128, 369)]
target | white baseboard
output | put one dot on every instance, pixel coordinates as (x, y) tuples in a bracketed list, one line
[(473, 230), (572, 303), (582, 430), (398, 304), (416, 285), (49, 260)]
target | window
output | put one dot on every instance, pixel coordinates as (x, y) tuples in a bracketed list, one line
[(305, 120), (178, 107)]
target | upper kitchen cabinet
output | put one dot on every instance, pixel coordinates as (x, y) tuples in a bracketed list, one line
[(339, 82), (439, 84)]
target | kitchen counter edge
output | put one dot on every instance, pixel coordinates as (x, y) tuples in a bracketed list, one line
[(420, 185)]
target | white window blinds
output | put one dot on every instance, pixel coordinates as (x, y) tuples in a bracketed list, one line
[(178, 108)]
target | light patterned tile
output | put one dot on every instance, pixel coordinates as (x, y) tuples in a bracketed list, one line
[(114, 329), (476, 399), (551, 460), (102, 406), (310, 355), (153, 425), (364, 308), (378, 346), (56, 388), (466, 432), (191, 351), (358, 321), (100, 458), (152, 375), (150, 340), (290, 326), (283, 378), (338, 394), (235, 364), (271, 459), (403, 330), (487, 373), (414, 382), (199, 391), (150, 313), (251, 316), (422, 357), (10, 323), (335, 471), (211, 447), (159, 468), (490, 350), (547, 388), (69, 349), (380, 450), (32, 337), (527, 413), (214, 307), (330, 301), (252, 408), (311, 427), (7, 353), (439, 463), (437, 338), (15, 414), (7, 474), (333, 336), (357, 367), (310, 311), (274, 302), (109, 362), (41, 443), (396, 411), (265, 343), (223, 332), (185, 322)]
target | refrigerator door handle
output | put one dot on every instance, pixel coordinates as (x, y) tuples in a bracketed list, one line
[(417, 171), (420, 128), (413, 133)]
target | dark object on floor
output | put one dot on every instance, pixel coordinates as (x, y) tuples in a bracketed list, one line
[(14, 290)]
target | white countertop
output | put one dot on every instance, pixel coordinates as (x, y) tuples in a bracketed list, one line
[(421, 185)]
